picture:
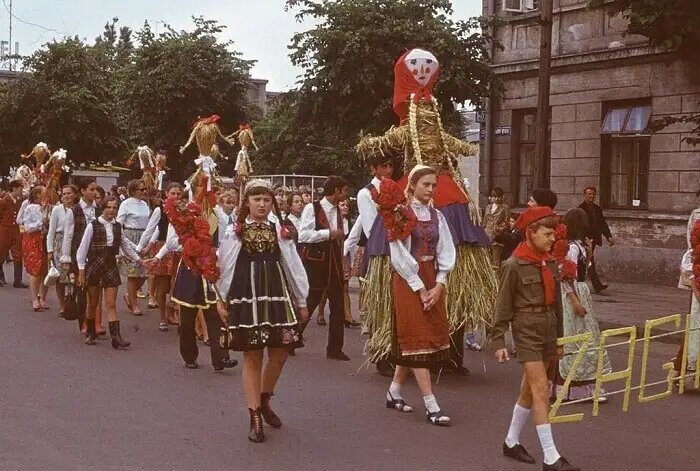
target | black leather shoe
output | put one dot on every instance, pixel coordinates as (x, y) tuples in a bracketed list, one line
[(268, 414), (560, 465), (338, 356), (518, 453), (459, 370), (225, 363), (192, 366), (19, 285), (601, 288), (3, 283)]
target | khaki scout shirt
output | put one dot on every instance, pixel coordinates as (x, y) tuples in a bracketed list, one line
[(521, 288)]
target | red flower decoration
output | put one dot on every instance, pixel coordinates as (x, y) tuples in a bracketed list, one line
[(398, 218), (561, 243), (198, 253), (569, 271), (389, 195)]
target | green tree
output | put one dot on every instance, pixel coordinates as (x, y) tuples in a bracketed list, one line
[(672, 24), (63, 98), (176, 76), (347, 85)]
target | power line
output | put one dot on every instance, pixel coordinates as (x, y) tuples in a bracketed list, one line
[(29, 23)]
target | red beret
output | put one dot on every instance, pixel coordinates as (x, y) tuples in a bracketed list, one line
[(531, 215)]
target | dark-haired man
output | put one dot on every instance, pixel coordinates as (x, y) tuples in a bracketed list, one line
[(321, 239), (597, 228), (10, 239)]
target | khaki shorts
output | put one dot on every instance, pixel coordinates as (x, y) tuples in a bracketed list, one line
[(535, 335)]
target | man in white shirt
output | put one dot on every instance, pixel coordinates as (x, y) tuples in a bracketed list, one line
[(321, 238)]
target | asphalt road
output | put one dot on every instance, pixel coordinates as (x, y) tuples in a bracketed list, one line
[(67, 406)]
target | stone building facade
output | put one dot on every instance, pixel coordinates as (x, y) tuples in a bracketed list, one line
[(605, 89)]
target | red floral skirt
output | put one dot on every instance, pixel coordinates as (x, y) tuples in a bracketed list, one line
[(168, 265), (421, 338), (34, 254)]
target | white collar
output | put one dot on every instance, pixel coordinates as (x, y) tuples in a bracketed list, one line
[(376, 182), (327, 204), (250, 220), (84, 205), (105, 222), (418, 205)]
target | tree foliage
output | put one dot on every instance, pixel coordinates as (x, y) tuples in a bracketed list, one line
[(671, 24), (347, 85), (99, 101)]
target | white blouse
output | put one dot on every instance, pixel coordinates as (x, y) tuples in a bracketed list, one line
[(57, 223), (576, 248), (367, 207), (446, 254), (128, 247), (150, 235), (32, 218), (172, 243), (228, 252), (134, 214), (20, 213)]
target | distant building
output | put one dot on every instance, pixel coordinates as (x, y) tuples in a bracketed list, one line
[(8, 75), (605, 89), (258, 94)]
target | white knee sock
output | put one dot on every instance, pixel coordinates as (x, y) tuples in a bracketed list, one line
[(430, 403), (551, 455), (395, 390), (520, 415)]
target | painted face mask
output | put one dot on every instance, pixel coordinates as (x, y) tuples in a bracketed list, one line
[(415, 73), (422, 64)]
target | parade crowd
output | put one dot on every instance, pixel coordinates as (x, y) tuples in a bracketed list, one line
[(244, 268)]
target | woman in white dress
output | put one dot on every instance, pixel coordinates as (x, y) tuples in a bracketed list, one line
[(133, 215), (54, 241)]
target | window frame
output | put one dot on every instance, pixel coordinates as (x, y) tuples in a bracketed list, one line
[(516, 145)]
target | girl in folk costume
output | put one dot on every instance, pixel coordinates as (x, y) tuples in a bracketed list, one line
[(98, 271), (133, 215), (263, 292), (203, 183), (422, 255), (421, 138), (54, 241), (193, 289), (34, 221), (152, 240), (53, 169), (578, 315)]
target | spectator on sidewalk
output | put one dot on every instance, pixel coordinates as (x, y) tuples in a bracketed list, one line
[(597, 228), (495, 222)]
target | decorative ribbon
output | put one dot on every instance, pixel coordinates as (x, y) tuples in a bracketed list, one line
[(207, 164), (160, 177)]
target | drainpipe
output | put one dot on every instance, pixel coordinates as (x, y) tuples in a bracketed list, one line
[(490, 120)]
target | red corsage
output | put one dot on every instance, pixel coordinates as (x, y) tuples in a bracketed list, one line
[(569, 271), (389, 195), (398, 218), (561, 243)]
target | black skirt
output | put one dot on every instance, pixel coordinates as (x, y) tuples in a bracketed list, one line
[(192, 290), (261, 312)]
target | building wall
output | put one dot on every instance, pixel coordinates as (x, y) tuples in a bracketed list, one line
[(594, 65)]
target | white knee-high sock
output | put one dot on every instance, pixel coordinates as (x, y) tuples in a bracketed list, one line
[(520, 415), (431, 403), (551, 455), (395, 390)]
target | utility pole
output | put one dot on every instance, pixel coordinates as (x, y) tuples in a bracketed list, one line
[(9, 45), (541, 173)]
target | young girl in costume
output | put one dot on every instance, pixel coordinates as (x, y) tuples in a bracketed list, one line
[(421, 263), (54, 241), (34, 221), (263, 290)]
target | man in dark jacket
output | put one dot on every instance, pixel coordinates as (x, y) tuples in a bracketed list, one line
[(597, 228)]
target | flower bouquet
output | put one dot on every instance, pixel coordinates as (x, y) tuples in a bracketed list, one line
[(398, 217)]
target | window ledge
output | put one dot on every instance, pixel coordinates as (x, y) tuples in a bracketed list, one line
[(643, 214)]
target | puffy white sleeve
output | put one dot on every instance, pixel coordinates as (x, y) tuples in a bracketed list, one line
[(81, 255), (446, 252), (367, 209), (293, 269), (151, 230), (571, 258), (20, 213), (122, 213), (53, 222), (404, 263), (33, 218), (172, 243), (307, 228), (229, 248), (68, 231), (354, 237)]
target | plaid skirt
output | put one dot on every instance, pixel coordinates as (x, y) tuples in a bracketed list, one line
[(420, 339), (127, 267), (102, 270), (34, 253)]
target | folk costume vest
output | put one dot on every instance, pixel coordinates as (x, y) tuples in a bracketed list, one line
[(323, 259)]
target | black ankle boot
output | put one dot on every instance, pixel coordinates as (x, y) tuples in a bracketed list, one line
[(90, 336), (18, 277), (256, 433), (114, 331), (270, 417)]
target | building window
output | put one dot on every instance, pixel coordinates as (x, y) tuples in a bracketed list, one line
[(520, 6), (625, 162), (524, 141)]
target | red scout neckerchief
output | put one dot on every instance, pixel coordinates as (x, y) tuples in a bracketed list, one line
[(525, 253), (405, 85)]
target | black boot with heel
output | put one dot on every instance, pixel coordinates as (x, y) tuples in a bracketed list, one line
[(256, 433), (114, 331), (270, 417)]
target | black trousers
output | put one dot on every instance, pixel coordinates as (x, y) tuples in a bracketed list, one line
[(457, 346), (592, 274), (336, 302), (188, 338)]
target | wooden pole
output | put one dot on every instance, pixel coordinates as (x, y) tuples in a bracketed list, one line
[(542, 148)]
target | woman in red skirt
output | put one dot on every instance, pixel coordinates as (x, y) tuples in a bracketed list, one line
[(152, 240), (34, 221), (421, 262)]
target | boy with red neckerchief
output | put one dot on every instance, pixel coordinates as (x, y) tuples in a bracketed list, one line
[(530, 300)]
